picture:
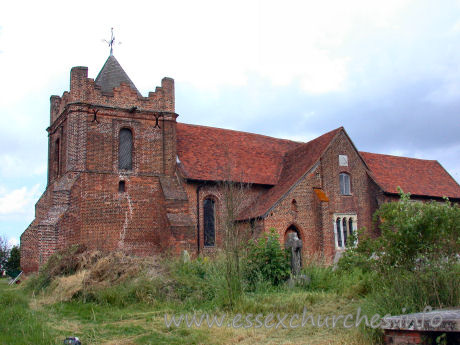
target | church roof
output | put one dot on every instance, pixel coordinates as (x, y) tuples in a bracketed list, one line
[(112, 75), (215, 154), (416, 176), (296, 163)]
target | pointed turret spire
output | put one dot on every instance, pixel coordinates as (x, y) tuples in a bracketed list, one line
[(112, 75)]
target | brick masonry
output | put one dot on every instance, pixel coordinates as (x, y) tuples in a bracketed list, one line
[(161, 207), (82, 203)]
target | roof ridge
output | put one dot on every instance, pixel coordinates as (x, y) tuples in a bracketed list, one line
[(244, 132), (416, 176), (395, 156), (290, 178), (313, 140)]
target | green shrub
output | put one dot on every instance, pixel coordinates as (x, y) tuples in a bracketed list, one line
[(414, 261), (414, 235), (266, 260), (351, 283)]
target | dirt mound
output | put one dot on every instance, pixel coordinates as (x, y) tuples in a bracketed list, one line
[(76, 271), (116, 267)]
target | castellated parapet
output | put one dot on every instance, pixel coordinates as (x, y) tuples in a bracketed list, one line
[(85, 90)]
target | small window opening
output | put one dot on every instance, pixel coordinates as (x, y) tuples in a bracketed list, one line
[(345, 188), (294, 205), (57, 157), (121, 186)]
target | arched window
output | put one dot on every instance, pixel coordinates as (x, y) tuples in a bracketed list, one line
[(339, 233), (294, 205), (345, 188), (343, 229), (209, 222), (125, 149)]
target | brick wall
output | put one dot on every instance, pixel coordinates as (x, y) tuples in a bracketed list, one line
[(217, 192), (82, 202), (314, 218)]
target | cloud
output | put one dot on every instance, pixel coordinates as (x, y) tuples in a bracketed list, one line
[(13, 241), (18, 202), (16, 166)]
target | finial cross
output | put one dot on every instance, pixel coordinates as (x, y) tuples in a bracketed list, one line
[(111, 42)]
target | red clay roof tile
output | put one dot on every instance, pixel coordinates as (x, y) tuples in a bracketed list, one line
[(215, 154), (297, 162), (415, 176)]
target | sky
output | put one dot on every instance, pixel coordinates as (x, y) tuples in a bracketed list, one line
[(388, 71)]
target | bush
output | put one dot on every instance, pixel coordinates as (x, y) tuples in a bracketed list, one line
[(414, 235), (266, 260), (199, 282), (351, 283), (415, 260)]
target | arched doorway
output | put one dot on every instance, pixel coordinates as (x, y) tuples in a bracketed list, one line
[(293, 242), (292, 229)]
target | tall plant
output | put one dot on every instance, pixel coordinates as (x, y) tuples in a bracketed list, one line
[(267, 260), (235, 235)]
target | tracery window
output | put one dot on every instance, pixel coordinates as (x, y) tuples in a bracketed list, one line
[(345, 226)]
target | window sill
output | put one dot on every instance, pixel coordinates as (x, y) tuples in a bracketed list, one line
[(125, 172)]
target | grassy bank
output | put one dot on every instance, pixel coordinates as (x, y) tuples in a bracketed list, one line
[(32, 320), (131, 310)]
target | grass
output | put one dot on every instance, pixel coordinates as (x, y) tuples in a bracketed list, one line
[(32, 319), (102, 303)]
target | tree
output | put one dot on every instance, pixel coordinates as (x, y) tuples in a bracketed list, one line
[(13, 262), (4, 252)]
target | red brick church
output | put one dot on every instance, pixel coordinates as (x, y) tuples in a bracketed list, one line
[(123, 174)]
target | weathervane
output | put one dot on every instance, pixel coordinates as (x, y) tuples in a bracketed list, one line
[(111, 42)]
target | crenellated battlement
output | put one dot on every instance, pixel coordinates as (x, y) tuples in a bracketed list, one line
[(124, 95)]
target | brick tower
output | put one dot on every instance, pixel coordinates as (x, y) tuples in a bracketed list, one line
[(112, 182)]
